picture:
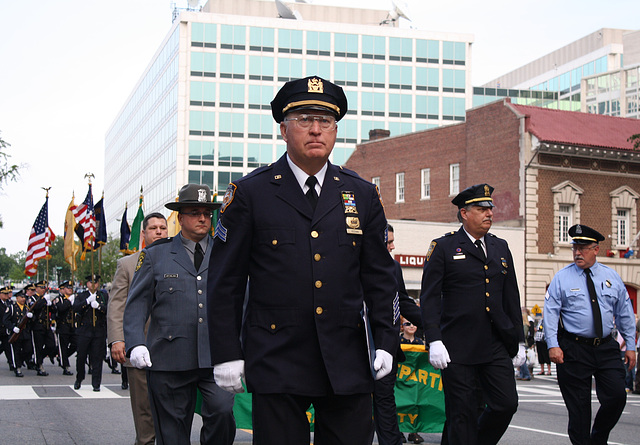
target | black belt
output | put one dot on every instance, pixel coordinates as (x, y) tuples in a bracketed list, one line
[(584, 340)]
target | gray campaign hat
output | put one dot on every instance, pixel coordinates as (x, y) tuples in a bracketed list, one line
[(193, 195)]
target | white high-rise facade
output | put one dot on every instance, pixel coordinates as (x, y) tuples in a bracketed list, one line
[(201, 114)]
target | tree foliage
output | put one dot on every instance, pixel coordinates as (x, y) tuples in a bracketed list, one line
[(8, 171), (636, 141)]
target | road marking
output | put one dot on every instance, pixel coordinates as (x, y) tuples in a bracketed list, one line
[(551, 433), (32, 392)]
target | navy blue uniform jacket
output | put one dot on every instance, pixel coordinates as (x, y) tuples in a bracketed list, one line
[(463, 298), (303, 332)]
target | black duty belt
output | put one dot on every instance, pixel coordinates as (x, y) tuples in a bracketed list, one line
[(585, 340)]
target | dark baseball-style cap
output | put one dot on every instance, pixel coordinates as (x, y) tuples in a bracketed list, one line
[(477, 195), (582, 234), (310, 93)]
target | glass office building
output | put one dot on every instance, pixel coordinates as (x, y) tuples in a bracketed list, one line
[(615, 93), (201, 112)]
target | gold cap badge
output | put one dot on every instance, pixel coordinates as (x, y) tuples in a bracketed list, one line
[(315, 86)]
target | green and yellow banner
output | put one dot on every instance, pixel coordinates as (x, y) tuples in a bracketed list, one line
[(419, 396)]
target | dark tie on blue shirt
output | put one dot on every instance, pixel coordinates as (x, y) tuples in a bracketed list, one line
[(198, 256), (595, 307), (311, 194)]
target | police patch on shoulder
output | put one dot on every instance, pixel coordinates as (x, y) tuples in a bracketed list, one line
[(140, 260), (379, 196), (228, 197), (430, 251)]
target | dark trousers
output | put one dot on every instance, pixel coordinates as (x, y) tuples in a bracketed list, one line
[(460, 384), (67, 344), (339, 420), (5, 347), (44, 343), (96, 348), (385, 415), (22, 351), (173, 401), (581, 362)]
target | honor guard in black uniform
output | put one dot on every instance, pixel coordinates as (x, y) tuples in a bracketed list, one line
[(5, 346), (65, 322), (471, 316), (91, 333), (44, 340), (22, 348)]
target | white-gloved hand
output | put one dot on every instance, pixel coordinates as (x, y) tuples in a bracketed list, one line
[(94, 304), (53, 328), (383, 363), (140, 357), (438, 355), (229, 375), (29, 314), (48, 297), (520, 357), (91, 298), (72, 298), (16, 329)]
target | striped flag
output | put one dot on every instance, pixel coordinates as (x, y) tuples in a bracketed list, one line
[(40, 239), (86, 219)]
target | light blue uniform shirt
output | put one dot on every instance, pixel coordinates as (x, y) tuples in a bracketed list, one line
[(568, 296)]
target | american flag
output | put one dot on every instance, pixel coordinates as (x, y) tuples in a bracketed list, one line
[(39, 241), (86, 218)]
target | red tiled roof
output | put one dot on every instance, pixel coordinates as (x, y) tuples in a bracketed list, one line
[(578, 129)]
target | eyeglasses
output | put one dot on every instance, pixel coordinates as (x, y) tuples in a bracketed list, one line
[(407, 323), (197, 214), (305, 121), (582, 248)]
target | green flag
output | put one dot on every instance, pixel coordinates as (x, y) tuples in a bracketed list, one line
[(136, 228)]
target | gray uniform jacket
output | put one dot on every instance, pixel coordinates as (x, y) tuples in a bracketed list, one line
[(167, 287)]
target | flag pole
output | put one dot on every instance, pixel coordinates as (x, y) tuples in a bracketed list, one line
[(46, 267), (90, 176)]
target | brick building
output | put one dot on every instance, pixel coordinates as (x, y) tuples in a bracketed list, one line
[(550, 169)]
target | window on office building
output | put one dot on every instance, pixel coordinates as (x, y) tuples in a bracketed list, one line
[(428, 51), (623, 207), (346, 45), (232, 36), (622, 222), (203, 35), (565, 220), (318, 43), (400, 187), (454, 179), (290, 41), (261, 39), (425, 183), (373, 47), (376, 181)]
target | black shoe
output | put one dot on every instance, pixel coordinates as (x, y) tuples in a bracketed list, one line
[(415, 438), (77, 384), (42, 372), (65, 371), (19, 373), (31, 366), (404, 439), (125, 385), (96, 389), (115, 371)]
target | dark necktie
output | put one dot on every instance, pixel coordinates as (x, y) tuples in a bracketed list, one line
[(595, 307), (311, 194), (478, 243), (198, 256)]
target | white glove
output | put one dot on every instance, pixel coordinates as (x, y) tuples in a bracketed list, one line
[(438, 355), (72, 298), (94, 304), (16, 329), (140, 357), (48, 302), (53, 328), (48, 297), (229, 376), (520, 357), (29, 314), (383, 363), (91, 298)]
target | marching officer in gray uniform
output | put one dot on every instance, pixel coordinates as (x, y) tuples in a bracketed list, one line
[(170, 286), (471, 316), (310, 237)]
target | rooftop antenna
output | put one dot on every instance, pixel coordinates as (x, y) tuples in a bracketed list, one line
[(285, 12), (400, 9)]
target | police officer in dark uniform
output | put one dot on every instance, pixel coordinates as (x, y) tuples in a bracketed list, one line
[(582, 303), (22, 348), (310, 238), (66, 324), (471, 316), (5, 302), (43, 317), (91, 334)]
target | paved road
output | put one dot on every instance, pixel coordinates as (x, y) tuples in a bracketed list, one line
[(48, 411)]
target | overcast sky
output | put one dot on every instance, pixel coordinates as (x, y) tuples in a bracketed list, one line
[(67, 67)]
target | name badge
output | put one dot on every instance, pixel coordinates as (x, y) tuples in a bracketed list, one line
[(171, 275), (459, 257)]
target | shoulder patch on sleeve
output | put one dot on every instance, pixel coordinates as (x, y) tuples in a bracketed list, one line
[(379, 196), (430, 251), (228, 197), (140, 260)]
